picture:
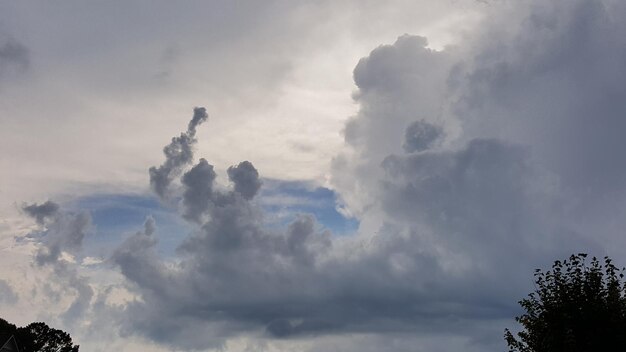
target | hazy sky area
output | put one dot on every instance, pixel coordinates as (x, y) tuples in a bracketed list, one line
[(247, 176)]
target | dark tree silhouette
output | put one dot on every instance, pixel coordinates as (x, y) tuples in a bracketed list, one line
[(37, 337), (6, 330), (576, 307)]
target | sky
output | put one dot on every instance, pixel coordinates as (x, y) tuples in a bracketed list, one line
[(247, 176)]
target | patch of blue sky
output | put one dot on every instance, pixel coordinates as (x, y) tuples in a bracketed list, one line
[(283, 200), (116, 216)]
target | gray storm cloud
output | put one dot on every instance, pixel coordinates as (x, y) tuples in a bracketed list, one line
[(238, 275), (136, 256), (534, 115), (178, 154), (421, 135), (41, 212), (461, 223), (246, 179), (198, 193), (63, 232)]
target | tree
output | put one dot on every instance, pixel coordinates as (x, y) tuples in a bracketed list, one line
[(38, 337), (576, 307), (6, 331), (42, 338)]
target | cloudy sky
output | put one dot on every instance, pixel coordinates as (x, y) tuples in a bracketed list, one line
[(248, 176)]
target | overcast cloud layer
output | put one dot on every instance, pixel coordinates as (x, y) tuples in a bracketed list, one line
[(466, 166)]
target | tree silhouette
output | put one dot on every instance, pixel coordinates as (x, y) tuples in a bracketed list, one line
[(576, 307), (6, 330), (37, 337)]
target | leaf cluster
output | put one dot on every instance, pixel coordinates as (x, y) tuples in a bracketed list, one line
[(576, 307)]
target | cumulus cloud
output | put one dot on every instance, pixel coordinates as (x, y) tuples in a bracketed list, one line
[(542, 84), (64, 231), (198, 184), (137, 257), (459, 217), (41, 211), (532, 119), (60, 244), (398, 84), (235, 275), (420, 135), (178, 154), (555, 84), (246, 179)]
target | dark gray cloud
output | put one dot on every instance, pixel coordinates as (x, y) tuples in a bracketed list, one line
[(178, 154), (137, 258), (246, 179), (485, 203), (41, 212), (63, 232), (199, 116), (198, 194), (236, 275), (556, 84), (532, 116), (421, 135)]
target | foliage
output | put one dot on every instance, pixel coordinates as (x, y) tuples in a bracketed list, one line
[(37, 337), (6, 330), (576, 307)]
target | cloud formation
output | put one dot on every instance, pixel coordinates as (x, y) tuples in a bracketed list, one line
[(235, 275), (41, 212), (231, 259), (60, 246), (463, 212), (246, 179), (63, 231), (198, 183), (468, 167), (528, 144), (421, 135), (178, 154)]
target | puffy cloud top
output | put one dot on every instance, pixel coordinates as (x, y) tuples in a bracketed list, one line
[(246, 179), (41, 211), (178, 154)]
